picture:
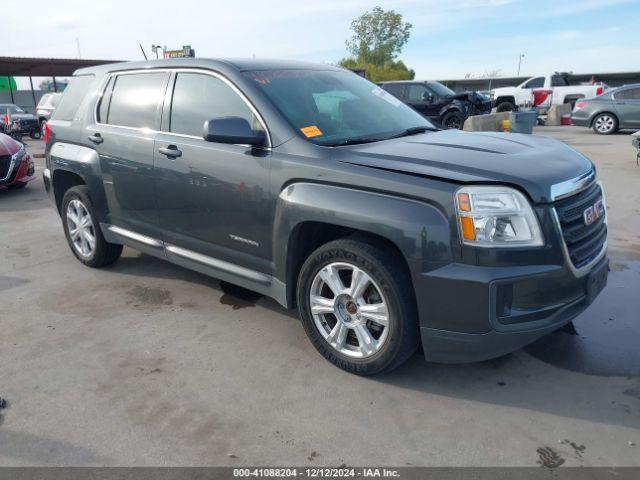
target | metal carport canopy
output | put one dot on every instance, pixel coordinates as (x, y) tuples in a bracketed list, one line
[(44, 67)]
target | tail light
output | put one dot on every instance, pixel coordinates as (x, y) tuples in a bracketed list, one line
[(47, 131), (540, 96), (579, 105)]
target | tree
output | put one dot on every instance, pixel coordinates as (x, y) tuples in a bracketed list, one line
[(377, 40), (378, 36), (381, 73)]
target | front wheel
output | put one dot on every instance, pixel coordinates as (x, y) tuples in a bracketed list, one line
[(83, 231), (605, 124), (357, 306), (453, 120)]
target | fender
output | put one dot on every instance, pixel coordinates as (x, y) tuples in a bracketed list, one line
[(85, 163), (450, 108), (421, 231)]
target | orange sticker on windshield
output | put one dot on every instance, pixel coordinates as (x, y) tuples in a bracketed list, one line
[(311, 131)]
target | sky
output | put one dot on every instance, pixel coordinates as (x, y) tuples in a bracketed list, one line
[(449, 39)]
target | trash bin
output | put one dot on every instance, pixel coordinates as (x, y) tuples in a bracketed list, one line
[(523, 122)]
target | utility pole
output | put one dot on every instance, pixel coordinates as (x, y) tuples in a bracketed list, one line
[(520, 57)]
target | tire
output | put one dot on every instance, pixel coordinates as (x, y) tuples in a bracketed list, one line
[(98, 253), (506, 107), (35, 134), (453, 119), (605, 124), (386, 284)]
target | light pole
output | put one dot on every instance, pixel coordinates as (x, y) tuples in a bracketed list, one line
[(520, 57), (155, 49)]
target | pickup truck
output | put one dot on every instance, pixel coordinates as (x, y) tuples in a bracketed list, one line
[(309, 184), (508, 99)]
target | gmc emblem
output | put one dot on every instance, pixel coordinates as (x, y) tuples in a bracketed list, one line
[(593, 213)]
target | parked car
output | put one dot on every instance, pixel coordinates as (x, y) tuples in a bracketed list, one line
[(507, 99), (437, 102), (311, 185), (606, 114), (16, 166), (47, 104), (21, 122)]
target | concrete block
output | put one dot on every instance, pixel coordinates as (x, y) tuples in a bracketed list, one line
[(555, 113), (491, 122)]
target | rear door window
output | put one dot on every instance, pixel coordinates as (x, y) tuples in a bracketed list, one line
[(72, 97), (559, 81), (395, 89), (135, 100), (628, 94)]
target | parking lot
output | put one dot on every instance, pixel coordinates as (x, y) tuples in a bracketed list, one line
[(146, 363)]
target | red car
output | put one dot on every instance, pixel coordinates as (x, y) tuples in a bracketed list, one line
[(16, 166)]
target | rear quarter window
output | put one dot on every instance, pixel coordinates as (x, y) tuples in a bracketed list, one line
[(72, 97)]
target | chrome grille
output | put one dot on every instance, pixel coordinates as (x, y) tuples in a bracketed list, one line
[(584, 242)]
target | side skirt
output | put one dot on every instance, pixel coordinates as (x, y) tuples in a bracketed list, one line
[(213, 267)]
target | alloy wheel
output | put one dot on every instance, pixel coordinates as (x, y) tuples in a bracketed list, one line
[(349, 310), (604, 124), (81, 229)]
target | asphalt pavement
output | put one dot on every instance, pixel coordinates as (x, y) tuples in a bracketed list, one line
[(146, 363)]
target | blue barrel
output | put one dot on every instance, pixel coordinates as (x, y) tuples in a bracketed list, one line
[(523, 122)]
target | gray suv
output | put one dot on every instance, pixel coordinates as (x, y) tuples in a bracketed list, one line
[(311, 185)]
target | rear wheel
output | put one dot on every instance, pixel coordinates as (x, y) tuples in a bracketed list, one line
[(357, 306), (605, 124), (453, 120), (83, 231), (506, 107)]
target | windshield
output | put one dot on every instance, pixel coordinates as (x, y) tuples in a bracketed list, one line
[(335, 107), (13, 109), (441, 90)]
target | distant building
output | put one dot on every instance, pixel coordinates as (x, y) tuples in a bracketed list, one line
[(613, 79)]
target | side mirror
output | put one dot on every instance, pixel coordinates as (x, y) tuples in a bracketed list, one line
[(427, 97), (233, 130)]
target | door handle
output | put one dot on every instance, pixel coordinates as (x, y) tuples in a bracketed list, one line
[(171, 151), (96, 138)]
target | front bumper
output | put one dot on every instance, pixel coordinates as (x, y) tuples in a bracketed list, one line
[(24, 172), (478, 313)]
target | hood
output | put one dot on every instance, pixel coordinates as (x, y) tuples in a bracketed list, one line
[(8, 146), (530, 162), (472, 97)]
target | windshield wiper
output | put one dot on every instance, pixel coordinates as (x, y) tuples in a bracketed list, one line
[(415, 130), (353, 141)]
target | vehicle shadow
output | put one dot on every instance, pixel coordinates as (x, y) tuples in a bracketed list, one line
[(34, 449), (518, 380), (237, 297)]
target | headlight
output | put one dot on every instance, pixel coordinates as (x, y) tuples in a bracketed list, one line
[(19, 155), (496, 217)]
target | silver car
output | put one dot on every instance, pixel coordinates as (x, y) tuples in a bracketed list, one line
[(612, 111), (46, 106)]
